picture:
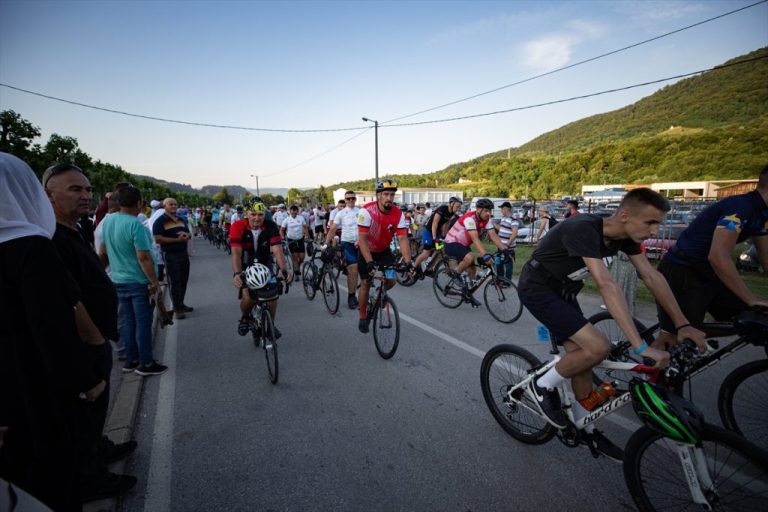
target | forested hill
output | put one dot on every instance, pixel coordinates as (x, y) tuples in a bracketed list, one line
[(711, 126)]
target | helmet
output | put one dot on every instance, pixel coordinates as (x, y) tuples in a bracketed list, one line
[(239, 208), (255, 205), (454, 199), (385, 184), (257, 276), (484, 203), (666, 413)]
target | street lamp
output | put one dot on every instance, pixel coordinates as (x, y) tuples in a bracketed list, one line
[(376, 138), (257, 184)]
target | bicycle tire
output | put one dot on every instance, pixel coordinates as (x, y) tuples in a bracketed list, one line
[(505, 366), (445, 289), (654, 476), (330, 288), (308, 276), (605, 323), (386, 320), (743, 402), (501, 300), (269, 343), (288, 257)]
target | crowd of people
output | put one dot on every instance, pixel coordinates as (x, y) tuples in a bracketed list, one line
[(73, 291)]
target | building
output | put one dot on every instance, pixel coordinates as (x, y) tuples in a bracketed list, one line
[(678, 189), (404, 195)]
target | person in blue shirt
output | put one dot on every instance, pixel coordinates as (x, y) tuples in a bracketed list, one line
[(700, 269)]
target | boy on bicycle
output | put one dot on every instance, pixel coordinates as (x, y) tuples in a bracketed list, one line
[(572, 251)]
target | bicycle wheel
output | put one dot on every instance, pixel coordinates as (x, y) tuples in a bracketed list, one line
[(505, 366), (288, 259), (501, 300), (656, 479), (743, 402), (447, 289), (330, 287), (404, 278), (269, 343), (386, 328), (620, 350), (308, 276)]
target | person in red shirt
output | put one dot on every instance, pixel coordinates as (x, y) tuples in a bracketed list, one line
[(377, 223)]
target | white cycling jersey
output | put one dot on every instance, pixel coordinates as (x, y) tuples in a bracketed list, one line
[(346, 219), (294, 227)]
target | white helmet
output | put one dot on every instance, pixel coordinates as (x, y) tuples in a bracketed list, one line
[(257, 276)]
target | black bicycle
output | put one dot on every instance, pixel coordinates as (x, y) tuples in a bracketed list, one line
[(263, 331), (383, 311), (323, 278)]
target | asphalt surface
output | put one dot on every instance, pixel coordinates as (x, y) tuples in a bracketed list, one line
[(344, 429)]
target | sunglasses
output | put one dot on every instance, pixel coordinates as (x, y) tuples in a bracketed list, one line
[(353, 198), (58, 169)]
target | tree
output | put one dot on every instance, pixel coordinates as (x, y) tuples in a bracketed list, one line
[(16, 134), (223, 196)]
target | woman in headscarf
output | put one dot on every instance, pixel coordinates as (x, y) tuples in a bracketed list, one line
[(39, 345)]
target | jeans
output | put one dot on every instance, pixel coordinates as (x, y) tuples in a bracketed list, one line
[(505, 269), (135, 313), (177, 268)]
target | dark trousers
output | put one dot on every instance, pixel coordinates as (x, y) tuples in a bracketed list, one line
[(177, 268), (92, 416)]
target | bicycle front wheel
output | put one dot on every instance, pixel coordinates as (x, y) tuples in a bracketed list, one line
[(269, 343), (504, 367), (447, 289), (308, 276), (502, 301), (743, 402), (656, 478), (330, 287), (386, 327)]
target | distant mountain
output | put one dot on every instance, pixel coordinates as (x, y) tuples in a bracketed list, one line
[(208, 190), (275, 191)]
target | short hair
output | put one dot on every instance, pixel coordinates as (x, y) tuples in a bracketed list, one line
[(645, 197), (762, 181), (573, 203), (341, 201), (349, 192), (429, 204), (294, 207), (129, 196)]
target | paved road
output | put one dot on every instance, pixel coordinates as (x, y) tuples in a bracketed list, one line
[(344, 429)]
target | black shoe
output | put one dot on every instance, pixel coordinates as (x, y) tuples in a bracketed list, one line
[(244, 325), (363, 325), (179, 314), (187, 309), (154, 368), (113, 452), (353, 304), (598, 443), (472, 300), (277, 332), (110, 486), (549, 403), (129, 366)]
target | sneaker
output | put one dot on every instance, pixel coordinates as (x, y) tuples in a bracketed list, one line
[(179, 314), (187, 309), (244, 325), (598, 443), (353, 304), (363, 325), (109, 486), (130, 366), (154, 368), (277, 332), (113, 452), (549, 403)]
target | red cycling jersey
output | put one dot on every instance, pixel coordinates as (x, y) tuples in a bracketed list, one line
[(379, 226), (458, 234)]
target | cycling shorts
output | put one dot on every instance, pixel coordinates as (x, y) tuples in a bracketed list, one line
[(426, 239), (319, 229), (384, 257), (350, 252), (296, 246), (456, 251)]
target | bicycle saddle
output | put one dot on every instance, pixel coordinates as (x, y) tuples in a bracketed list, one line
[(752, 325)]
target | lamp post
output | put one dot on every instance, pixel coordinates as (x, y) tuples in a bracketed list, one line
[(376, 139), (257, 184)]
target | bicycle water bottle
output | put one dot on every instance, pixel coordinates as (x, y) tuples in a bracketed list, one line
[(598, 396)]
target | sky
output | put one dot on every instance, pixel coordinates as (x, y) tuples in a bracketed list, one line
[(324, 65)]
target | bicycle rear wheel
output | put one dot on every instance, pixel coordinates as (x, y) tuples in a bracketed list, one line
[(330, 287), (501, 300), (505, 366), (743, 402), (308, 276), (447, 289), (270, 344), (386, 328), (655, 476), (620, 350)]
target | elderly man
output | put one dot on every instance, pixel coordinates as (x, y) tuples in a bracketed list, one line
[(171, 232), (69, 191)]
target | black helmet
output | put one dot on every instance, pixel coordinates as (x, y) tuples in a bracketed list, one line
[(484, 203), (666, 413), (386, 184), (454, 199)]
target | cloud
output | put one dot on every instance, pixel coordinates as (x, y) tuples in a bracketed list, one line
[(657, 11), (548, 53)]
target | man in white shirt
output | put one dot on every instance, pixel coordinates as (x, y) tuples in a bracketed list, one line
[(280, 214), (346, 220), (294, 229), (336, 233)]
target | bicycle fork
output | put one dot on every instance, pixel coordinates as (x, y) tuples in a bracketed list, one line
[(696, 473)]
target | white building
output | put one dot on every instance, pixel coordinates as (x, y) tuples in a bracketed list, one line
[(407, 196)]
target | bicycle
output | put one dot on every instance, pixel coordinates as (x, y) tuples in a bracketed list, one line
[(263, 332), (287, 255), (743, 395), (383, 311), (507, 371), (428, 267), (500, 294), (322, 278)]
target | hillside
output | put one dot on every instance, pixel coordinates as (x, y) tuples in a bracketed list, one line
[(208, 190)]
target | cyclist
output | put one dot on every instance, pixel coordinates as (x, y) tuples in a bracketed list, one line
[(280, 215), (256, 239), (346, 219), (215, 216), (377, 223), (699, 268), (294, 229), (225, 220), (318, 221), (238, 214), (434, 229), (466, 232), (550, 280)]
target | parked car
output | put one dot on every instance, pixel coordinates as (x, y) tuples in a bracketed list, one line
[(748, 260), (666, 238)]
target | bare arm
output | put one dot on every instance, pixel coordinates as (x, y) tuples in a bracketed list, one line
[(237, 266), (723, 243), (496, 240), (365, 249), (405, 248), (148, 267), (331, 231), (277, 253), (103, 254)]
